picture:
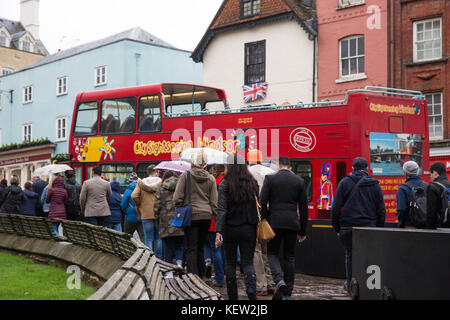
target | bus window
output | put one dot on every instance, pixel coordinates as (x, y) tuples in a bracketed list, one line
[(78, 174), (86, 119), (149, 114), (303, 169), (118, 115), (117, 172), (141, 169), (341, 171)]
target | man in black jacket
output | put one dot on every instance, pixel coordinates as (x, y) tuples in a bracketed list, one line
[(284, 192), (434, 192), (358, 202), (73, 192), (39, 186)]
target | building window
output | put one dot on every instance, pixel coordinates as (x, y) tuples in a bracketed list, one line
[(427, 40), (4, 39), (26, 132), (351, 55), (100, 76), (255, 62), (61, 129), (61, 86), (250, 7), (434, 101), (349, 3), (27, 94), (6, 71)]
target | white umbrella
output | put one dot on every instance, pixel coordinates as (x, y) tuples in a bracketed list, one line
[(214, 156), (174, 165), (51, 169)]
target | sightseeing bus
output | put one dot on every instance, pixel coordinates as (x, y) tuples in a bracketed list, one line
[(124, 130)]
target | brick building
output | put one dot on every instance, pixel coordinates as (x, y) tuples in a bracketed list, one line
[(419, 54)]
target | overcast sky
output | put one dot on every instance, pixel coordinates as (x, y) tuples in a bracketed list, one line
[(67, 23)]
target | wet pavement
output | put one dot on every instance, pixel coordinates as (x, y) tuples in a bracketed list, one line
[(306, 287)]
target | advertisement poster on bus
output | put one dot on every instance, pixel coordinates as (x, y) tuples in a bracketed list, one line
[(389, 151)]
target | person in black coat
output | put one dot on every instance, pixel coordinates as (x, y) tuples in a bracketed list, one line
[(38, 186), (434, 201), (364, 207), (73, 210), (3, 192), (14, 198), (236, 221), (284, 192)]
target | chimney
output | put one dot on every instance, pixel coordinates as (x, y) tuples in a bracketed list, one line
[(29, 16)]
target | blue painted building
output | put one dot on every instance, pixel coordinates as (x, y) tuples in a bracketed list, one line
[(38, 101)]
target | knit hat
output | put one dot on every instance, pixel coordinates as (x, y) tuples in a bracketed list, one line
[(254, 156), (133, 177), (411, 168), (199, 159), (359, 163)]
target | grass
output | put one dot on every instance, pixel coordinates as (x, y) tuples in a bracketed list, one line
[(22, 279)]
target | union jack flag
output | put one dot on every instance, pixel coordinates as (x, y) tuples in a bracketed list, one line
[(255, 91)]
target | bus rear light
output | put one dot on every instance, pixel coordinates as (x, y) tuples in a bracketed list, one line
[(423, 137), (367, 133)]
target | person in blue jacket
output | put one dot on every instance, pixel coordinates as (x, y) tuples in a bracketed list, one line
[(131, 223), (114, 221), (411, 170), (30, 200), (356, 205)]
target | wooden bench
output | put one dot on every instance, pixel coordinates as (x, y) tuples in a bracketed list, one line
[(35, 227), (144, 277)]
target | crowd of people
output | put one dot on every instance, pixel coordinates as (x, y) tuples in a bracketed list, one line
[(224, 200)]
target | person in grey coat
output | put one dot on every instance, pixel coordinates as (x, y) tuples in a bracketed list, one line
[(94, 196)]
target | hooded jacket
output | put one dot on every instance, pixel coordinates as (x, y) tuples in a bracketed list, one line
[(30, 201), (403, 192), (434, 202), (144, 197), (57, 197), (114, 204), (13, 200), (366, 206), (164, 209), (128, 205), (204, 195)]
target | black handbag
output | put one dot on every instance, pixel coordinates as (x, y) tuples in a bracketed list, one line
[(183, 215)]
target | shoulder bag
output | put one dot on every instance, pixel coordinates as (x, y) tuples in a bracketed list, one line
[(183, 215), (264, 231)]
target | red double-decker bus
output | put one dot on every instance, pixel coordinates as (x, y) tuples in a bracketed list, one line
[(148, 124)]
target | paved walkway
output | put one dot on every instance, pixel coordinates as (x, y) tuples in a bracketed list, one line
[(306, 287)]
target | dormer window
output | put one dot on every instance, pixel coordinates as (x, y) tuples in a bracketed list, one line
[(4, 39), (250, 8), (27, 44)]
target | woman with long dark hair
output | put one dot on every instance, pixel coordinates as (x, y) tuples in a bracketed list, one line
[(236, 222)]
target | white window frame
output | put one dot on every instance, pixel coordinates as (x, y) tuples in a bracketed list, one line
[(27, 132), (441, 115), (349, 3), (61, 131), (355, 76), (415, 42), (101, 77), (62, 85), (27, 94), (6, 36), (6, 71)]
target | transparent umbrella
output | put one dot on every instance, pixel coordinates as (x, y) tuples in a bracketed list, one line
[(51, 169), (214, 156)]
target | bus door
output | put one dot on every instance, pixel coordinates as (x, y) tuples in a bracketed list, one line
[(83, 172)]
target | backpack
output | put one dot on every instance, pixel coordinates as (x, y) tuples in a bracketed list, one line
[(417, 201), (444, 217)]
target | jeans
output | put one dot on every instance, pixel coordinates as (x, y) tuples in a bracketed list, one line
[(285, 263), (152, 239), (131, 226), (96, 221), (346, 239), (173, 247), (55, 226), (217, 257), (243, 236), (196, 237), (114, 226)]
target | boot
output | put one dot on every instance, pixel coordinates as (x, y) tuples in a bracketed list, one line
[(232, 290), (250, 284)]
